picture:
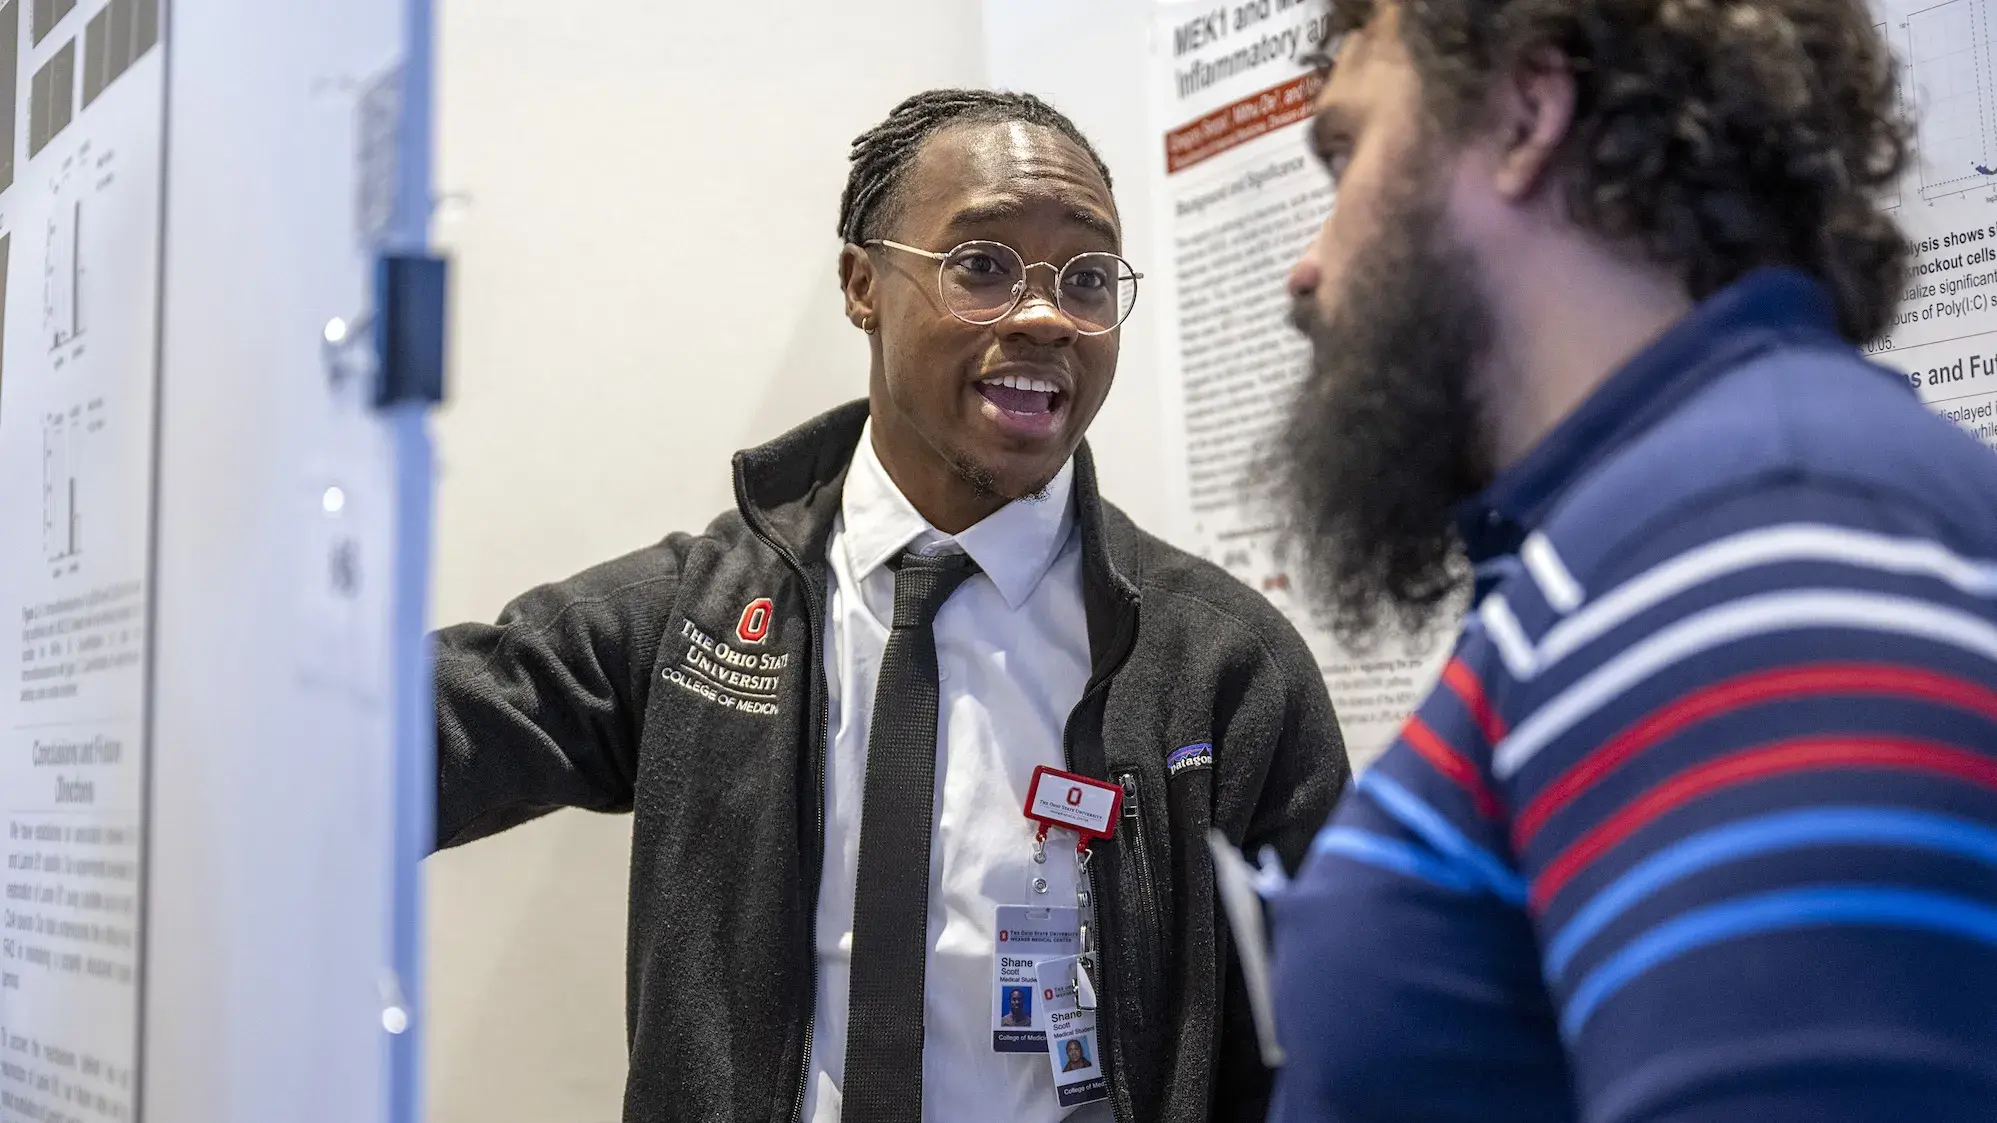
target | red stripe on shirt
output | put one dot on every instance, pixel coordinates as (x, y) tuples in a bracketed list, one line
[(1799, 755), (1444, 758), (1761, 687), (1468, 687)]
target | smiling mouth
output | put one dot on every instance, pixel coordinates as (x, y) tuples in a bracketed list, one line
[(1018, 394)]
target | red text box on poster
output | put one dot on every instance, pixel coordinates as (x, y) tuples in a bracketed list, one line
[(1239, 122)]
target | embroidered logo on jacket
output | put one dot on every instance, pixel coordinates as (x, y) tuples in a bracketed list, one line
[(1190, 756), (755, 624), (737, 680)]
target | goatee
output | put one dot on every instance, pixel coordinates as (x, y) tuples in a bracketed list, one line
[(985, 483), (1382, 441)]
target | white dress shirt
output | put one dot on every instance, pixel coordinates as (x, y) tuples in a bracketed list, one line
[(1012, 647)]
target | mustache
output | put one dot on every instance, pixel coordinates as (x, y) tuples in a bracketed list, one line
[(1304, 315)]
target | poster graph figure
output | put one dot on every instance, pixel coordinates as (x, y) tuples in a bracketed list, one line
[(1955, 86), (61, 521), (10, 62), (1889, 198), (52, 99), (62, 277), (116, 36), (48, 13)]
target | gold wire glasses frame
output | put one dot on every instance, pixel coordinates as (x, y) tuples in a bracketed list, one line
[(982, 282)]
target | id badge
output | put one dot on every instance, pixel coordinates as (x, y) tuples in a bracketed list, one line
[(1073, 1047), (1026, 937)]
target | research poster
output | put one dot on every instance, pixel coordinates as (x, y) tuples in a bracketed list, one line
[(1945, 337), (1238, 198), (81, 134)]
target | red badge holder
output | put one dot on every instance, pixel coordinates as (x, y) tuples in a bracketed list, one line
[(1087, 806)]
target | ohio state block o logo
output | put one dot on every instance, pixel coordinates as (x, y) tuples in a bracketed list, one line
[(755, 624), (1074, 797)]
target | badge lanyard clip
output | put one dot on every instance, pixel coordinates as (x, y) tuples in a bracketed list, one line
[(1085, 958), (1089, 808)]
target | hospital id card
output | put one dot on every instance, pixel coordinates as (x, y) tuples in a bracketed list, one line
[(1026, 936), (1073, 1047)]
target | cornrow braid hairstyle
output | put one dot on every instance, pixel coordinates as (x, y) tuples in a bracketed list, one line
[(882, 154)]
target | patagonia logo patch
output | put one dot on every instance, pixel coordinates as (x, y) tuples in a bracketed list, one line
[(1191, 756)]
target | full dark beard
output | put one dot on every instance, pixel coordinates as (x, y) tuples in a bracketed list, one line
[(1381, 443)]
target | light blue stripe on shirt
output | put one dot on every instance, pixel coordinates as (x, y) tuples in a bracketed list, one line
[(1849, 905), (1476, 863), (1396, 855), (1826, 826)]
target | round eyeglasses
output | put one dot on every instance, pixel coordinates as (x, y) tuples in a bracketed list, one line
[(982, 282)]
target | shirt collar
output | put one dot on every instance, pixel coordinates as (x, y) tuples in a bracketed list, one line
[(1014, 545), (1785, 302)]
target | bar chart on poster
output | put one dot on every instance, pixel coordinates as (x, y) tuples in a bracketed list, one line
[(213, 524)]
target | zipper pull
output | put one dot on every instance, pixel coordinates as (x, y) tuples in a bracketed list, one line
[(1085, 987), (1129, 782)]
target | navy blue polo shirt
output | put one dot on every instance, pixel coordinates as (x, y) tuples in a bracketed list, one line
[(1700, 823)]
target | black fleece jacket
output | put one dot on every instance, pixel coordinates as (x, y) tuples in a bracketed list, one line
[(582, 696)]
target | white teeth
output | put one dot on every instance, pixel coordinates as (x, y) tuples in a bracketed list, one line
[(1016, 382)]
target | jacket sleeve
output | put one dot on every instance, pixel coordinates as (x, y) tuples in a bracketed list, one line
[(542, 709), (1307, 773)]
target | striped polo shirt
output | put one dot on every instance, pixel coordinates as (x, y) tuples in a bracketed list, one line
[(1700, 823)]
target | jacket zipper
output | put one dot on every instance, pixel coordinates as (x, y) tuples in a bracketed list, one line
[(1147, 894), (817, 630), (1097, 684)]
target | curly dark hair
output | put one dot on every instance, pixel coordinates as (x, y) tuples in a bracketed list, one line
[(1715, 136), (882, 154)]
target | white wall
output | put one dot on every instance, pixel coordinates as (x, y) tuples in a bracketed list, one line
[(644, 256)]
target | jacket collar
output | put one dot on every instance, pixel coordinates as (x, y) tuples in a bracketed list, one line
[(789, 491)]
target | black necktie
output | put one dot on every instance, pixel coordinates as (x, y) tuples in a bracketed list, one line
[(891, 889)]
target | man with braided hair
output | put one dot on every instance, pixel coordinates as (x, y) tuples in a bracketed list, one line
[(1700, 825), (827, 710)]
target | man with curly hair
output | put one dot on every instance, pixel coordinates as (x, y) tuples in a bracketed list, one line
[(1700, 823)]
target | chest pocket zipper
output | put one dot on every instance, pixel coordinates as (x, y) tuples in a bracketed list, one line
[(1148, 944)]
